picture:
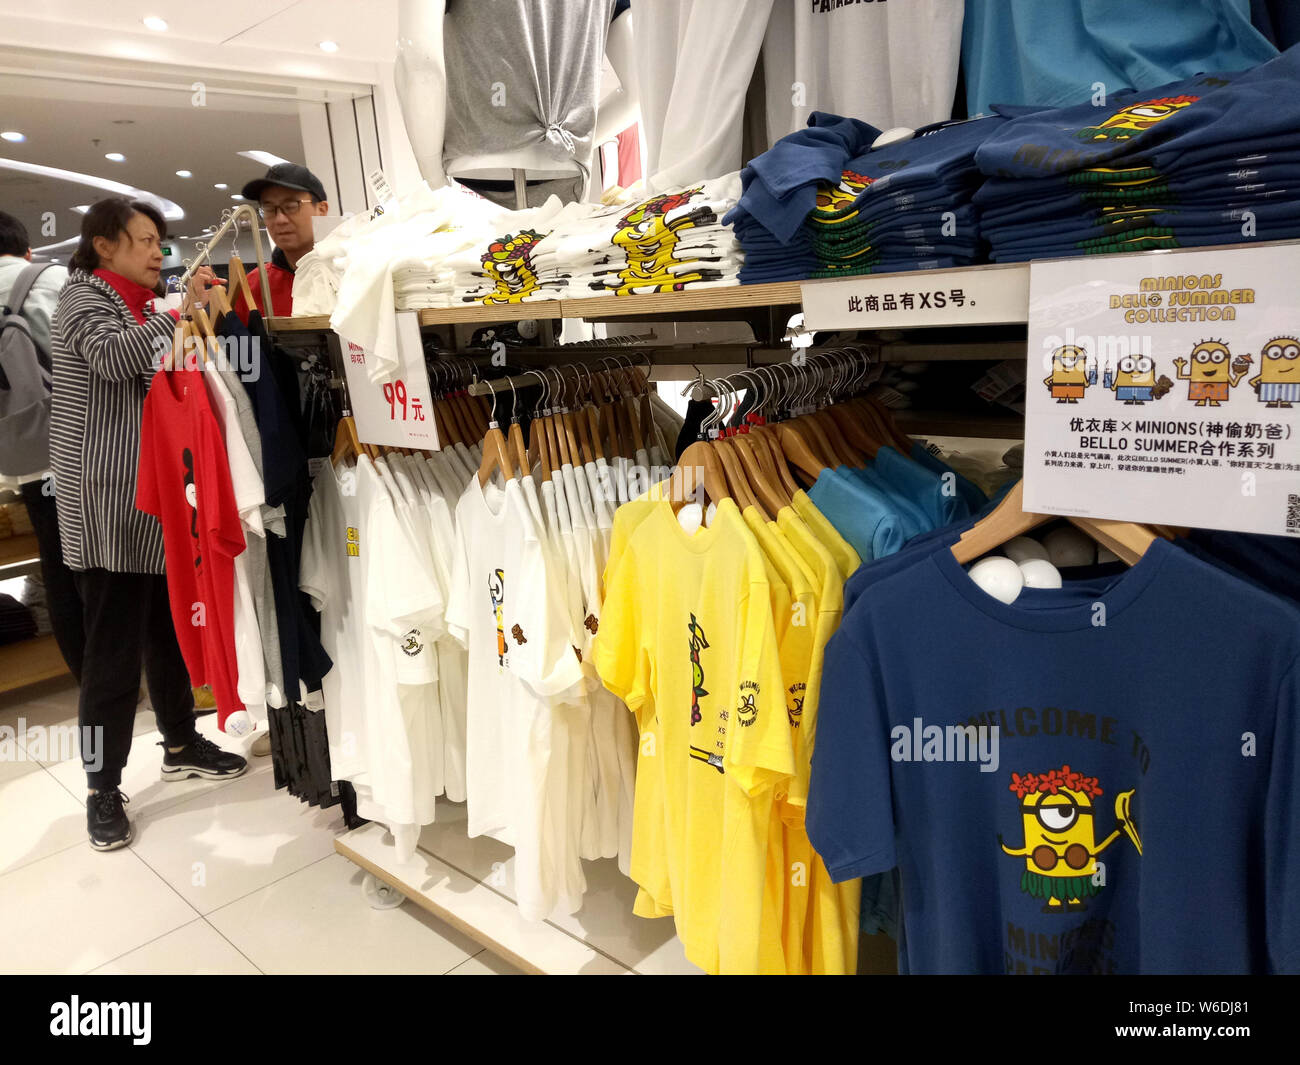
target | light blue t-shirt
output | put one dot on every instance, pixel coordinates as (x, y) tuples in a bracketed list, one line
[(865, 516), (913, 517), (941, 505), (1050, 55)]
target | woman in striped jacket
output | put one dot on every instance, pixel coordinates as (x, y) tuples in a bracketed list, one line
[(108, 340)]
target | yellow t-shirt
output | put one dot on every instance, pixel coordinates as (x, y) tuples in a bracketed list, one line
[(846, 559), (687, 626), (828, 920)]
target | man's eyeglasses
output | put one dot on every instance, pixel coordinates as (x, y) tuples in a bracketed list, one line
[(267, 210)]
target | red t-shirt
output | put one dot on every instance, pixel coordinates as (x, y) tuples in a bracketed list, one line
[(280, 281), (185, 482)]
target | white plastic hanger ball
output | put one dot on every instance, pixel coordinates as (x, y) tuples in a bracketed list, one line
[(1068, 546), (240, 723), (1039, 573), (690, 516), (893, 136), (1022, 547), (999, 577)]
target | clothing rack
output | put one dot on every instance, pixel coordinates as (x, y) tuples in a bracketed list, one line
[(204, 254)]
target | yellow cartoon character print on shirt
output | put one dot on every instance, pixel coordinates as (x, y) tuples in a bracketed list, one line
[(1128, 122), (837, 197), (497, 593), (1060, 832), (648, 239), (509, 263)]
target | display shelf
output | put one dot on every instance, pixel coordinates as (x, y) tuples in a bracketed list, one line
[(771, 294), (1008, 426), (20, 548), (30, 662), (469, 884)]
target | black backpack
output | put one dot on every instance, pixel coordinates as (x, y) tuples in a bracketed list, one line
[(26, 386)]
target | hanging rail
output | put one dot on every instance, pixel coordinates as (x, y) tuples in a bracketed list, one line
[(205, 251)]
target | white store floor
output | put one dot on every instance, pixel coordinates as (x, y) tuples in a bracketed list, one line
[(221, 877)]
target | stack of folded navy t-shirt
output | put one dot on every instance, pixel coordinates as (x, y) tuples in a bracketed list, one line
[(823, 203), (1213, 159)]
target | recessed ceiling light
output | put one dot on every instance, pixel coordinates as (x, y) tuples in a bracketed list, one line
[(183, 173), (328, 46), (221, 185), (13, 136), (156, 24), (82, 208), (115, 157), (265, 158), (236, 197)]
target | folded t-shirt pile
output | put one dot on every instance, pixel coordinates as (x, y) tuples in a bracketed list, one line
[(504, 266), (1213, 159), (823, 203), (672, 241)]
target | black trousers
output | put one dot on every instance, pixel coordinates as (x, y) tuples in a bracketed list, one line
[(128, 621), (61, 596)]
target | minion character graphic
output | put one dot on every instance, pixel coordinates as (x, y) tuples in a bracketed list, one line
[(1278, 382), (1134, 381), (1070, 374), (1060, 848), (832, 198), (509, 263), (698, 691), (192, 498), (649, 238), (1129, 122), (497, 593), (1211, 372)]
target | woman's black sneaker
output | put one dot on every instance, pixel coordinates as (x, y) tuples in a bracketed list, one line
[(106, 820), (201, 758)]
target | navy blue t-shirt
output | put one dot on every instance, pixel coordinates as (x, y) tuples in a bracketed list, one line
[(1160, 125), (1145, 774)]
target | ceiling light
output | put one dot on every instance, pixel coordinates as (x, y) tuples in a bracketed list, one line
[(115, 157), (156, 24), (265, 158), (13, 136), (183, 173), (328, 46), (171, 211), (82, 208), (221, 185), (236, 197)]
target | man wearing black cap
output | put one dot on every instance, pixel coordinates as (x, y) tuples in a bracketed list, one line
[(287, 213)]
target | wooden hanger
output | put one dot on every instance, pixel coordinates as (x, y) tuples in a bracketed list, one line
[(496, 452), (239, 281), (1128, 540), (698, 466)]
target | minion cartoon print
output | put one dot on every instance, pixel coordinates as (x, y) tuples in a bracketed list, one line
[(1060, 848), (192, 498), (648, 239), (497, 594), (1134, 382), (1070, 374), (832, 198), (1212, 371), (509, 263), (698, 643), (1278, 382), (1132, 121)]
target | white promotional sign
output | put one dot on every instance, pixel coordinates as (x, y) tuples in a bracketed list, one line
[(988, 295), (1165, 388), (397, 409)]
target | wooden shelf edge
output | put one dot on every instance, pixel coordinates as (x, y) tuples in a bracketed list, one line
[(29, 662), (1009, 426), (20, 548)]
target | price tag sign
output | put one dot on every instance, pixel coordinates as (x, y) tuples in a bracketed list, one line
[(397, 409), (1165, 388), (986, 295)]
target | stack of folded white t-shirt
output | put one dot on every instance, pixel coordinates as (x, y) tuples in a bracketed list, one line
[(666, 243), (504, 268)]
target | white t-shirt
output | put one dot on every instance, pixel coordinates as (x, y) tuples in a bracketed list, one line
[(513, 622), (332, 574), (250, 498), (889, 64)]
